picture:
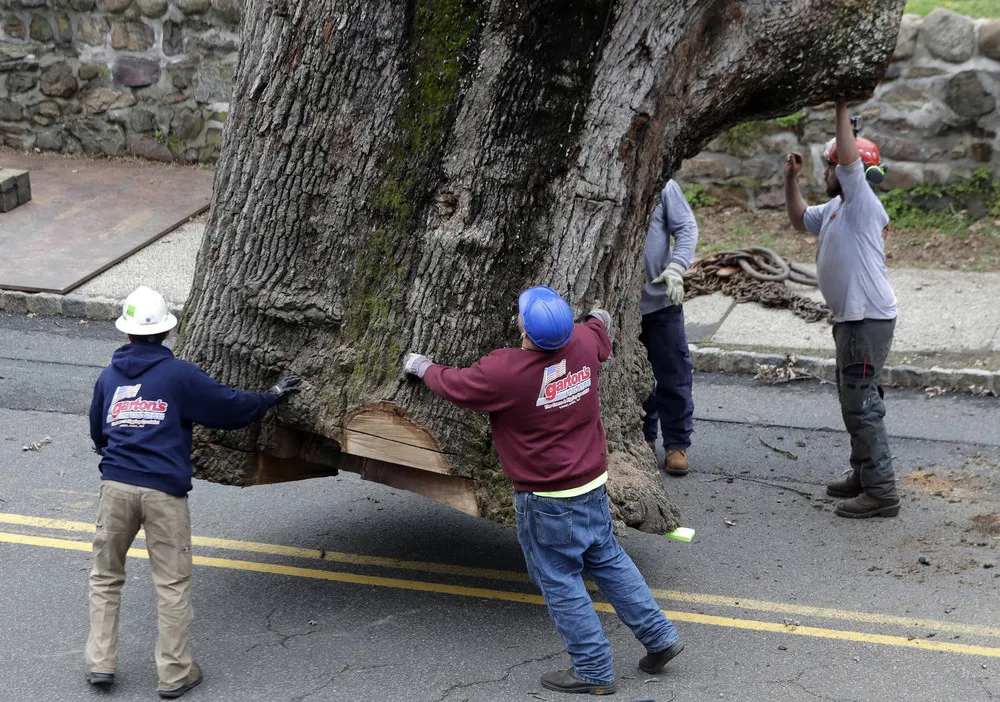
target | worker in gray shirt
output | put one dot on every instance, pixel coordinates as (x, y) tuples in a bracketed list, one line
[(850, 264), (663, 326)]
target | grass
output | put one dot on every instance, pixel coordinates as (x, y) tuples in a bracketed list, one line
[(972, 8), (961, 246)]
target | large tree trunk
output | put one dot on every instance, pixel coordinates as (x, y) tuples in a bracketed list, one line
[(394, 173)]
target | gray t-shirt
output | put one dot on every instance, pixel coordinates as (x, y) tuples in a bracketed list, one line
[(850, 258), (672, 217)]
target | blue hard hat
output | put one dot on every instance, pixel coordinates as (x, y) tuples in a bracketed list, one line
[(547, 319)]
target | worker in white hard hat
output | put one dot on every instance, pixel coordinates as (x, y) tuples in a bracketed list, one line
[(145, 404)]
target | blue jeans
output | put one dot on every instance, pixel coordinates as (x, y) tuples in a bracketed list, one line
[(671, 403), (561, 538)]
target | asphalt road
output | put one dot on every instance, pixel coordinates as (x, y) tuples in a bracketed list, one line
[(336, 589)]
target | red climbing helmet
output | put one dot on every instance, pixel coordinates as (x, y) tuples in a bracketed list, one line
[(870, 158), (867, 148)]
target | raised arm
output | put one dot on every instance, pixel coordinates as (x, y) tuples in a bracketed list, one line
[(847, 145), (794, 202)]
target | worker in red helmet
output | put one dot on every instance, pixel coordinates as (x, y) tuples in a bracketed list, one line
[(546, 423), (850, 265)]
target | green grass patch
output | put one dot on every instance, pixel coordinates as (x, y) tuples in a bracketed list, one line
[(790, 121), (950, 207), (698, 197), (742, 139), (972, 8)]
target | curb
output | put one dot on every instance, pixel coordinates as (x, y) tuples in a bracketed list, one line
[(972, 380), (70, 305), (707, 359)]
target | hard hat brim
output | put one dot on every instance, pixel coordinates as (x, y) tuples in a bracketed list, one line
[(130, 326)]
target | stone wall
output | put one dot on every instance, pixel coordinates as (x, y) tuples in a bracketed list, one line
[(935, 118), (145, 77), (153, 78)]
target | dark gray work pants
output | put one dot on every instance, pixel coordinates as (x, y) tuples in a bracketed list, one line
[(862, 349)]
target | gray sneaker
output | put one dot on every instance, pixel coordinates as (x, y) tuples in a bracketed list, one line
[(192, 681)]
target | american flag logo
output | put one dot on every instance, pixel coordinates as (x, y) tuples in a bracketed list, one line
[(553, 372), (125, 391)]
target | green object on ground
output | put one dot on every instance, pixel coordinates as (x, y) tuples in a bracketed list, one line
[(681, 534)]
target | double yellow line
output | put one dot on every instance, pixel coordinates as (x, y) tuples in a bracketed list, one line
[(528, 598)]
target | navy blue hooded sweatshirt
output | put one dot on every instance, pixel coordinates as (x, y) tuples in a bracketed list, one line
[(144, 406)]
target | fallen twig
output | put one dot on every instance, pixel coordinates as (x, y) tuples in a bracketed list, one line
[(759, 482), (782, 451)]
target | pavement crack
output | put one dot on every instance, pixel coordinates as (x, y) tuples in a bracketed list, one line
[(270, 628), (463, 686), (332, 679), (797, 682)]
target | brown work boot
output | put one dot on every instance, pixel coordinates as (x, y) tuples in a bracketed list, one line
[(849, 487), (862, 507), (192, 681), (677, 462)]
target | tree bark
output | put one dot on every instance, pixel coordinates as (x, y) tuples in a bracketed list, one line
[(394, 173)]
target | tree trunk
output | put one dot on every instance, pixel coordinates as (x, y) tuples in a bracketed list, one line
[(394, 173)]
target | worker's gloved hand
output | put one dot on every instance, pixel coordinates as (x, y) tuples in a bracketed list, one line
[(673, 278), (288, 384), (415, 364), (602, 315)]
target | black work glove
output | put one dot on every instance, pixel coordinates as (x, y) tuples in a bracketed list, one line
[(288, 384)]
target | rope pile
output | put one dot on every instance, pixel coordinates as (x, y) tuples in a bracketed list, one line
[(755, 274)]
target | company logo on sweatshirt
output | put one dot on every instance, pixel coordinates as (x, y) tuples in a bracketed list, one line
[(561, 389), (128, 409)]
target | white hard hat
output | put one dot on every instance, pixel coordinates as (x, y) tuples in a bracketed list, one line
[(145, 313)]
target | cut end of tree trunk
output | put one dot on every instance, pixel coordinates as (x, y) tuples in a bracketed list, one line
[(382, 446)]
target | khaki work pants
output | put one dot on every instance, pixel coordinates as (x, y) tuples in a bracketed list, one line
[(167, 523)]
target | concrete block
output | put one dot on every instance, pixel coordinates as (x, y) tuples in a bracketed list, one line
[(45, 303), (8, 200), (13, 301), (15, 188), (102, 308), (74, 306), (822, 368), (903, 376)]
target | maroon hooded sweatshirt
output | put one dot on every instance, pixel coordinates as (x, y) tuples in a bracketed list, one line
[(543, 407)]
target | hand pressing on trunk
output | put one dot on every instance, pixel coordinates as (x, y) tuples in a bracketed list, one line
[(673, 278), (288, 384), (602, 315), (415, 364)]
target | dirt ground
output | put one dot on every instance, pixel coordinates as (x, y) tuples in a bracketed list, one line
[(975, 247)]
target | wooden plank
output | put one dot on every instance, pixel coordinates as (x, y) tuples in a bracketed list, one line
[(450, 490), (391, 426), (382, 449)]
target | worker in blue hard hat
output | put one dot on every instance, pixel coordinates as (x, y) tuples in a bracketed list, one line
[(546, 424)]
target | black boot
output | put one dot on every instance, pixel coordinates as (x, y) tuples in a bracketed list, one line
[(654, 662), (569, 681), (847, 488)]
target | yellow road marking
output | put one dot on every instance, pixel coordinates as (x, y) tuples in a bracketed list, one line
[(521, 577), (520, 597)]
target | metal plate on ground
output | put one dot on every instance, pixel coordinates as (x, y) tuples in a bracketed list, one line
[(86, 215)]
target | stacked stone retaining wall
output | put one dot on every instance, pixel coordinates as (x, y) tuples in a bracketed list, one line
[(150, 78), (935, 117), (153, 78)]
